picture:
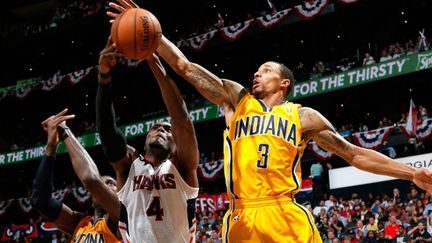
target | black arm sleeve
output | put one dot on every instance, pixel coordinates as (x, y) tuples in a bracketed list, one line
[(42, 189), (112, 139)]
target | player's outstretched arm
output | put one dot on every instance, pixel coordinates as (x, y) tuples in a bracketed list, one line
[(216, 90), (88, 173), (41, 199), (317, 127), (225, 93), (112, 139), (186, 151)]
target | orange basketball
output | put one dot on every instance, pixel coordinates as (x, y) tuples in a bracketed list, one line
[(136, 33)]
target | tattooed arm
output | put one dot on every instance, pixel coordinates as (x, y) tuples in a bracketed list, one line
[(317, 127), (219, 91)]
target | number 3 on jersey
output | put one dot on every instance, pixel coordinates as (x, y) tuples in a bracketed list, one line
[(154, 209), (264, 150)]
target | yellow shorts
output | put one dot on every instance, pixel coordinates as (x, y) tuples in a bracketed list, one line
[(273, 220)]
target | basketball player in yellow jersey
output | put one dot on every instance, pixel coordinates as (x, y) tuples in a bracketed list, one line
[(264, 142), (81, 228)]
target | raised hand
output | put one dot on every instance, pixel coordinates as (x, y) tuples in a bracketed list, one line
[(50, 126), (124, 4), (423, 179), (108, 57)]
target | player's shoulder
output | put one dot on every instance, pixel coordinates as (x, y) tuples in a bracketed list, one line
[(310, 119)]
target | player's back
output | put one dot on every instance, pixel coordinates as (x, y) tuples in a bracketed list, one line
[(159, 204), (262, 150)]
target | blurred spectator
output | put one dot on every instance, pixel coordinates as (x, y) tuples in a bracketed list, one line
[(368, 59), (388, 150), (385, 56), (318, 70), (398, 51), (319, 208), (331, 236), (402, 237), (360, 228), (421, 235), (423, 113), (203, 159), (316, 171), (372, 224), (392, 229), (344, 131)]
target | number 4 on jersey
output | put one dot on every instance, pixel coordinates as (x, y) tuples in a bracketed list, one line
[(154, 209)]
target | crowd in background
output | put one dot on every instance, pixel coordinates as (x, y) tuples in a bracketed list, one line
[(390, 217)]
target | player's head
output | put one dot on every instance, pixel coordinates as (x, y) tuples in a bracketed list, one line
[(272, 77), (111, 184), (160, 138)]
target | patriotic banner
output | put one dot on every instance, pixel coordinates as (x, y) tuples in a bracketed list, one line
[(310, 9), (4, 205), (320, 153), (52, 82), (130, 63), (206, 202), (209, 171), (47, 227), (198, 42), (60, 195), (25, 204), (24, 87), (181, 43), (424, 130), (25, 230), (307, 185), (81, 194), (76, 76), (7, 91), (346, 2), (412, 120), (372, 139), (233, 32), (270, 20)]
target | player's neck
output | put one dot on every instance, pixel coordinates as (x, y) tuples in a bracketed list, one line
[(155, 157), (273, 99)]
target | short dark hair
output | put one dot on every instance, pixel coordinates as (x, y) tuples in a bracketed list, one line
[(288, 74)]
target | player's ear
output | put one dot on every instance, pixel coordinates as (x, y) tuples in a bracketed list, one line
[(285, 83)]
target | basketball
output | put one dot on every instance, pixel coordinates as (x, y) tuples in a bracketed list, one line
[(136, 33)]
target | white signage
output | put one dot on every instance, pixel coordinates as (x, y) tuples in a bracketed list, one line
[(351, 176)]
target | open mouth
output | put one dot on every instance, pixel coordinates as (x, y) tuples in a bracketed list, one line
[(255, 83)]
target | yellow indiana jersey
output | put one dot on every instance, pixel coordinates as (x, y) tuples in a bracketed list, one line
[(262, 150), (86, 231)]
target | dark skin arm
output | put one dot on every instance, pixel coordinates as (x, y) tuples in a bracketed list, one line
[(186, 155), (86, 169), (107, 61), (317, 127), (67, 219)]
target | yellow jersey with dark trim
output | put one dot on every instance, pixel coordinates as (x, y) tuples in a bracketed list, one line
[(262, 150), (99, 232)]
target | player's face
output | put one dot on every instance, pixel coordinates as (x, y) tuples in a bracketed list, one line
[(110, 182), (160, 136), (267, 80)]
